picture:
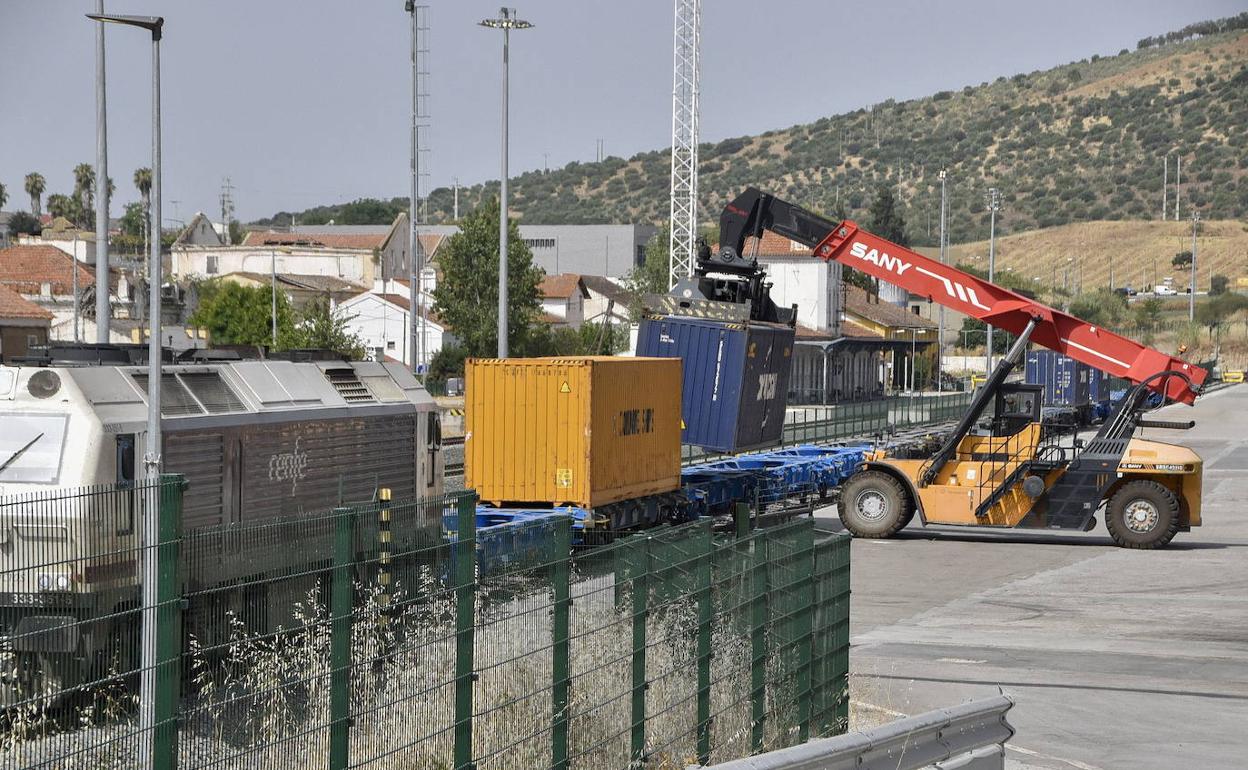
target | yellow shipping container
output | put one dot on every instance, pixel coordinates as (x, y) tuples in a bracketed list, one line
[(584, 431)]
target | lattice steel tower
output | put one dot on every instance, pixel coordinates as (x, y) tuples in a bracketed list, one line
[(684, 192)]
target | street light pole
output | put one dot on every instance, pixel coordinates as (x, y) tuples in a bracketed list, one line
[(151, 457), (994, 205), (103, 314), (507, 21), (273, 294)]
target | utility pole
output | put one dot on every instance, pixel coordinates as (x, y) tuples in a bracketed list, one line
[(940, 326), (1191, 297), (455, 210), (273, 294), (73, 267), (103, 314), (1178, 182), (227, 209), (1165, 183), (507, 21), (683, 190), (994, 205)]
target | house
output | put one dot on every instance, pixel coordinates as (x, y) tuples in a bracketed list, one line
[(299, 289), (62, 234), (45, 274), (381, 320), (200, 231), (355, 253), (798, 278), (563, 298), (23, 324), (607, 300)]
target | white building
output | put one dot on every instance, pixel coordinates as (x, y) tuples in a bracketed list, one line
[(380, 318)]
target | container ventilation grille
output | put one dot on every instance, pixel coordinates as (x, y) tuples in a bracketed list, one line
[(175, 399), (348, 385)]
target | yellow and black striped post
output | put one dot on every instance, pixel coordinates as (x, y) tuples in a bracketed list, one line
[(384, 541)]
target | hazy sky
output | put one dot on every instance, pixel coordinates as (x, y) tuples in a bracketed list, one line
[(302, 102)]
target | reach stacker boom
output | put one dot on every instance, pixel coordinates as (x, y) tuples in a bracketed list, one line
[(997, 468)]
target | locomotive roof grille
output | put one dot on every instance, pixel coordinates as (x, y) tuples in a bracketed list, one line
[(347, 383), (193, 393)]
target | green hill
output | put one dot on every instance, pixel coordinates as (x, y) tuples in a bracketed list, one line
[(1080, 142)]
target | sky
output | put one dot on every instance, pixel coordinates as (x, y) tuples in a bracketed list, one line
[(307, 102)]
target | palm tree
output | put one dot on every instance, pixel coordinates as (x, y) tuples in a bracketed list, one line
[(62, 206), (4, 196), (84, 186), (34, 188), (143, 181)]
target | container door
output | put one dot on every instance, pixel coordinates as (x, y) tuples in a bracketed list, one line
[(765, 384)]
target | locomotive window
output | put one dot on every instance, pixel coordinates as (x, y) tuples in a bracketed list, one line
[(30, 447), (125, 460)]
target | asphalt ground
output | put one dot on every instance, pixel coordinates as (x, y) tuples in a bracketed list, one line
[(1116, 658)]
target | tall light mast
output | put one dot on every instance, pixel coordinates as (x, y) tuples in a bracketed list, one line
[(684, 190)]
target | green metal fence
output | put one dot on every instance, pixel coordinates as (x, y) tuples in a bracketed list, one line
[(394, 635), (861, 419)]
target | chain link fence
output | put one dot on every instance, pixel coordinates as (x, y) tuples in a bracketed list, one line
[(392, 634)]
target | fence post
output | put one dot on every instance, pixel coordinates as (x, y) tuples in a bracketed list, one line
[(560, 649), (758, 644), (741, 517), (384, 546), (639, 568), (465, 609), (340, 640), (804, 631), (706, 613), (169, 623)]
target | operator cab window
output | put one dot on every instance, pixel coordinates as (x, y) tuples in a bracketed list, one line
[(1016, 408)]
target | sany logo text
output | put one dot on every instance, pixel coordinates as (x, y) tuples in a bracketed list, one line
[(877, 257)]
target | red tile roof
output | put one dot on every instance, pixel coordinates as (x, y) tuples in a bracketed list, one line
[(882, 312), (14, 305), (854, 331), (562, 286), (334, 241), (773, 245), (26, 267)]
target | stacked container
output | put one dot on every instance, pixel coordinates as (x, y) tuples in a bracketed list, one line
[(586, 431)]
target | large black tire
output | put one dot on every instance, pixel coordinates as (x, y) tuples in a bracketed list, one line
[(1142, 514), (874, 504)]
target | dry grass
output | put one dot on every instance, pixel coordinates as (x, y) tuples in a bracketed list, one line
[(264, 703), (1131, 247)]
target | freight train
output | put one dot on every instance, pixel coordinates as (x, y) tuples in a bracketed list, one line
[(255, 440)]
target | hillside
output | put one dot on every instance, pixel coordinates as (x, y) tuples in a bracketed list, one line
[(1080, 142), (1133, 249)]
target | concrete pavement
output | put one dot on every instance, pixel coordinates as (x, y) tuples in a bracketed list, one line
[(1117, 658)]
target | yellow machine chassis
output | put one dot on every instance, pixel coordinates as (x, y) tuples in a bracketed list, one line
[(983, 463)]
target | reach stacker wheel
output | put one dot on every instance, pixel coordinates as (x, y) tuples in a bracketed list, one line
[(874, 504), (1142, 514)]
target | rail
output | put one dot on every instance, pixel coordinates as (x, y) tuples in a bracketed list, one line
[(970, 736)]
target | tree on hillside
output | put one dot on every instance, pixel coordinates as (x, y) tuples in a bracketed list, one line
[(1218, 284), (1182, 259), (1216, 312), (1101, 307), (467, 296), (1147, 317), (34, 188), (242, 315), (883, 219), (651, 276)]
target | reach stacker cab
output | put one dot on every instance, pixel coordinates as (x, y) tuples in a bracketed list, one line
[(997, 468)]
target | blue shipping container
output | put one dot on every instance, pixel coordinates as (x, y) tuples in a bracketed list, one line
[(736, 378), (1066, 382)]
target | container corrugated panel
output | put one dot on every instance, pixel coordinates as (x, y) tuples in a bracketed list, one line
[(584, 431), (736, 378), (1066, 382)]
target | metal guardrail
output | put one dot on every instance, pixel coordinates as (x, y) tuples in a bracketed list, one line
[(969, 736)]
